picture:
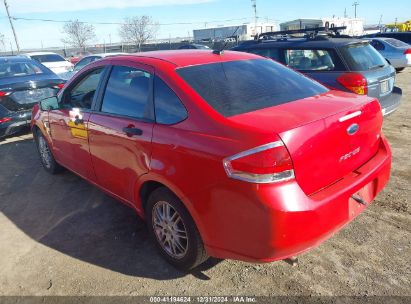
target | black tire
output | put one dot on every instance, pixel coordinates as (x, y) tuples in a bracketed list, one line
[(50, 164), (195, 253), (399, 69)]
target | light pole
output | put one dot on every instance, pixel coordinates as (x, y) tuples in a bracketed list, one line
[(12, 26), (355, 4)]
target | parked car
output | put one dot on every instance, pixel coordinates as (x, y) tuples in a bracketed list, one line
[(74, 58), (86, 60), (53, 61), (344, 64), (23, 82), (396, 52), (402, 36), (223, 155), (193, 46)]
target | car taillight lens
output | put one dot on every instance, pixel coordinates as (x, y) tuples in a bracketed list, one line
[(5, 119), (354, 82), (59, 86), (407, 52), (2, 94), (269, 163)]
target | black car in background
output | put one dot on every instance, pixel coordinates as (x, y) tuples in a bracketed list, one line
[(23, 82)]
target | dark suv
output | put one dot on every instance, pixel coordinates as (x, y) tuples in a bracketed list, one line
[(345, 64)]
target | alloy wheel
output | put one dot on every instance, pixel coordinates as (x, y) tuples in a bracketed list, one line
[(170, 230), (44, 152)]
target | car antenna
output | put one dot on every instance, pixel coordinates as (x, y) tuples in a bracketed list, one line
[(221, 51)]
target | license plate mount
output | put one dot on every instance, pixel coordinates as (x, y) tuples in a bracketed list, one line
[(385, 86)]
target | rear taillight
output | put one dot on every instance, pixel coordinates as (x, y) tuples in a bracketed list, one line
[(5, 119), (355, 82), (2, 93), (406, 52), (269, 163)]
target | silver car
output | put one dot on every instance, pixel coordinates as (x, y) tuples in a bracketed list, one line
[(396, 52)]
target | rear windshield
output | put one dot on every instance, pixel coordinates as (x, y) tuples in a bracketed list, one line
[(238, 87), (47, 58), (15, 69), (396, 42), (363, 57)]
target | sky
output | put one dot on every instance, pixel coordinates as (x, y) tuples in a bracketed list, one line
[(195, 14)]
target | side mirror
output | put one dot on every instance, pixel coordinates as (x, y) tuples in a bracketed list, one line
[(50, 103)]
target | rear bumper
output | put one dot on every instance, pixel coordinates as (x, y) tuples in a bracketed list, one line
[(19, 121), (391, 102), (264, 223), (11, 128)]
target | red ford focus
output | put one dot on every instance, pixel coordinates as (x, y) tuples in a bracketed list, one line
[(226, 155)]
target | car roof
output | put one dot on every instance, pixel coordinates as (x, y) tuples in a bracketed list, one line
[(394, 33), (379, 38), (102, 55), (183, 58), (303, 42)]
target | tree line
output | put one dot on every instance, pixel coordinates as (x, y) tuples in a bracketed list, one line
[(136, 30)]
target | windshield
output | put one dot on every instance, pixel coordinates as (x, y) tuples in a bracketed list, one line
[(47, 58), (237, 87), (15, 69), (396, 43), (363, 57)]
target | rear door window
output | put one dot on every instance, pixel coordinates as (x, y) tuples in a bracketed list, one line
[(128, 93), (363, 57), (311, 60), (168, 107), (242, 86)]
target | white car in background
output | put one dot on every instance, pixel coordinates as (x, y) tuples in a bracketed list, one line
[(53, 61), (85, 61)]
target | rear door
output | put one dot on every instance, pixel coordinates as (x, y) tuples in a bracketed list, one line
[(120, 132)]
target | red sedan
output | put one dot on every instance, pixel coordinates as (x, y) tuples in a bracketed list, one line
[(224, 154)]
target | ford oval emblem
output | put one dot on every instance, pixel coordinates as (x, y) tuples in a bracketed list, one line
[(353, 129)]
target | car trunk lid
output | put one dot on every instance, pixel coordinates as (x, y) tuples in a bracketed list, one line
[(23, 95), (327, 136)]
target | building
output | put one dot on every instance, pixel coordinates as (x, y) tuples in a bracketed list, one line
[(399, 27), (244, 31), (355, 27)]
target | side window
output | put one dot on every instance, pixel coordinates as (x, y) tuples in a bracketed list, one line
[(309, 60), (168, 107), (82, 94), (269, 53), (377, 45), (127, 92)]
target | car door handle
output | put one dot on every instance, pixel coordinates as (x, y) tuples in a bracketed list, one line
[(132, 131)]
